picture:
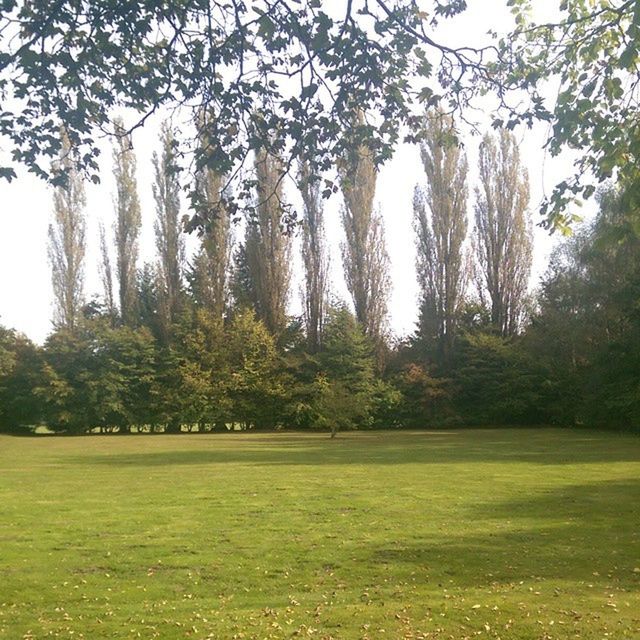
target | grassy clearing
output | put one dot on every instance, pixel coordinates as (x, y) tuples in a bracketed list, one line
[(508, 534)]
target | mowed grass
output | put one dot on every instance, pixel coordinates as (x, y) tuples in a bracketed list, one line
[(508, 534)]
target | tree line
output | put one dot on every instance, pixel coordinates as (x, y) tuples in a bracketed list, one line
[(206, 343)]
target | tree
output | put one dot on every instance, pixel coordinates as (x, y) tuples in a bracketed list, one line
[(236, 60), (347, 384), (67, 241), (241, 281), (364, 254), (426, 399), (127, 226), (168, 227), (256, 388), (99, 377), (123, 383), (498, 382), (149, 298), (440, 222), (267, 248), (209, 273), (373, 55), (591, 53), (502, 235), (561, 333), (20, 367), (106, 274), (587, 329), (7, 358), (315, 258), (200, 374)]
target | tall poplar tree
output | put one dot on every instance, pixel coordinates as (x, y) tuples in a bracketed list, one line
[(106, 273), (315, 258), (503, 237), (267, 249), (168, 227), (209, 273), (364, 254), (440, 222), (127, 225), (67, 241)]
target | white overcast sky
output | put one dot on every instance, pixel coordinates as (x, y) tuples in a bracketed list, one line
[(26, 209)]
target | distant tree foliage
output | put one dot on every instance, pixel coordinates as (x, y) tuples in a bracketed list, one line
[(67, 241), (364, 253), (575, 363), (502, 235), (127, 224), (315, 257), (440, 222), (241, 362)]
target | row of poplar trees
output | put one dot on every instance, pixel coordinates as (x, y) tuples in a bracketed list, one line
[(207, 342)]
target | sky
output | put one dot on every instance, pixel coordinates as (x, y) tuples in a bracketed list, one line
[(26, 208)]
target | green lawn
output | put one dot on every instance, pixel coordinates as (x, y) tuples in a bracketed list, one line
[(506, 534)]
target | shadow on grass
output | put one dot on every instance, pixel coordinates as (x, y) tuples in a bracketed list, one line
[(583, 534), (536, 446)]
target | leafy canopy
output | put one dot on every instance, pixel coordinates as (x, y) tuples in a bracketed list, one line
[(292, 75), (590, 51), (284, 75)]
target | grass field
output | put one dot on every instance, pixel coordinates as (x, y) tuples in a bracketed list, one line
[(508, 534)]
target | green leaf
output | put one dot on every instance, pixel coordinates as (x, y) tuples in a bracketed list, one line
[(7, 173), (266, 27), (629, 56)]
